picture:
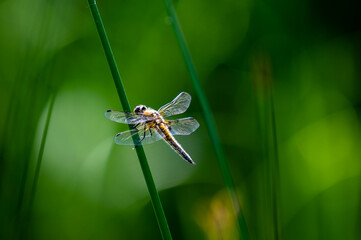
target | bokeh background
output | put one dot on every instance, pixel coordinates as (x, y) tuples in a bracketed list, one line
[(307, 52)]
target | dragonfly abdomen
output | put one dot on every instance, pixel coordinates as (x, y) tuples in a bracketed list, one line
[(168, 137)]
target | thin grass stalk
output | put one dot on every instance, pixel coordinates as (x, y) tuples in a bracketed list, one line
[(266, 213), (221, 159), (19, 223), (28, 79), (262, 74), (270, 149), (156, 203), (275, 168), (24, 202), (38, 164)]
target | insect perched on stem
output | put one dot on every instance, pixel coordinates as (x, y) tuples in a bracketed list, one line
[(152, 126)]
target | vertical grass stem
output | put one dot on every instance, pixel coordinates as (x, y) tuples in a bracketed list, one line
[(223, 165), (29, 210), (275, 169), (263, 84), (156, 203)]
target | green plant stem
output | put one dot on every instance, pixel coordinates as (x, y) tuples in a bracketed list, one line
[(157, 205), (41, 149), (268, 229), (263, 84), (38, 164), (270, 155), (223, 165), (275, 169)]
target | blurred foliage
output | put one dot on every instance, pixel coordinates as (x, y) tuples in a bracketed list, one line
[(90, 188)]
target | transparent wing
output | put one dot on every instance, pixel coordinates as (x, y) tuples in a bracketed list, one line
[(179, 105), (123, 117), (183, 126), (125, 138)]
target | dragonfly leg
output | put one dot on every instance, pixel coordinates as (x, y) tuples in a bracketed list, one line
[(145, 130)]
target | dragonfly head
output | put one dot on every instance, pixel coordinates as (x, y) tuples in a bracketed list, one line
[(140, 109)]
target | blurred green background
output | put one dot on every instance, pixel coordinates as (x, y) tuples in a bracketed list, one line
[(91, 188)]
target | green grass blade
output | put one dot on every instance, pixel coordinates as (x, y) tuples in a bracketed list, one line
[(275, 169), (223, 165), (39, 161), (157, 205), (263, 83)]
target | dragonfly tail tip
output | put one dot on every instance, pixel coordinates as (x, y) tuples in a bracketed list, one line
[(191, 162)]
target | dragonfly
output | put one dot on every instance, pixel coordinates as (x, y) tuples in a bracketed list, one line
[(151, 125)]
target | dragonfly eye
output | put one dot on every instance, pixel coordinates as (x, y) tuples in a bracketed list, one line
[(140, 109)]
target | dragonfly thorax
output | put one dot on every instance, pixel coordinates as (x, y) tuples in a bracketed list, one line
[(151, 113)]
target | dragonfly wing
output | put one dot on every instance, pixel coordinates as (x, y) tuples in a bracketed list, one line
[(183, 126), (126, 138), (124, 117), (179, 105)]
